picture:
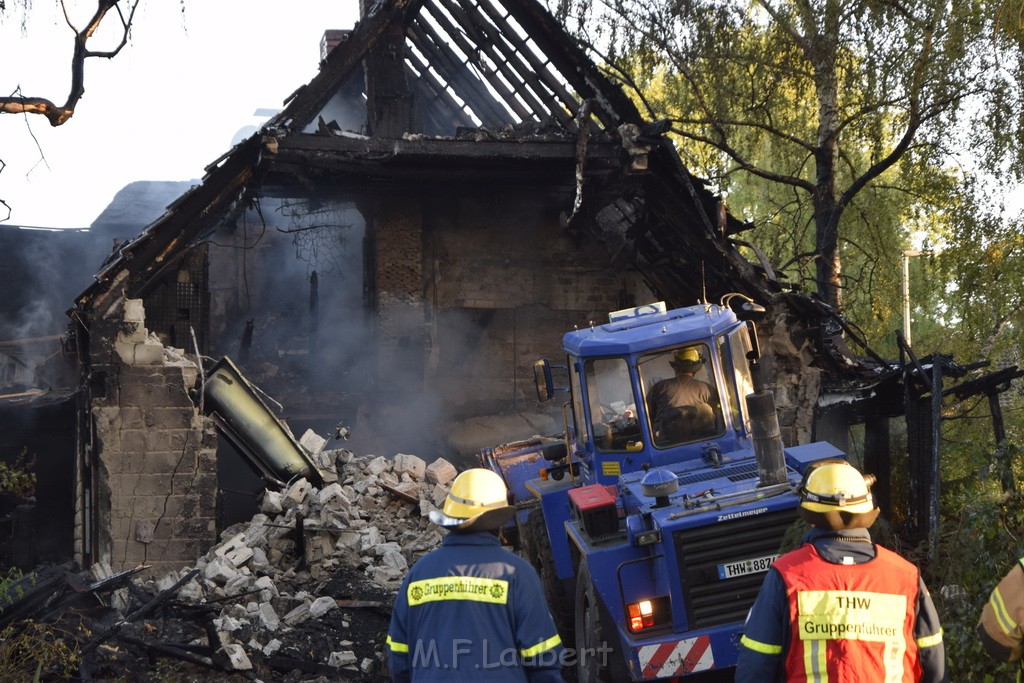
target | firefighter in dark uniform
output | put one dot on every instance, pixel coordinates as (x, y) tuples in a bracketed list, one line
[(471, 610), (841, 608), (1001, 627), (682, 407)]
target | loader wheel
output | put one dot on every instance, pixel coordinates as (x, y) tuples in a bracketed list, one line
[(598, 655), (537, 549)]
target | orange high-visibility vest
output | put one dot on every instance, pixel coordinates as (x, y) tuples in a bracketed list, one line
[(850, 622)]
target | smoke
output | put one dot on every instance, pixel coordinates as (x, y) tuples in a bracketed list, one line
[(41, 271), (313, 345)]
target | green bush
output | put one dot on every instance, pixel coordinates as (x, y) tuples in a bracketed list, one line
[(19, 479), (977, 547)]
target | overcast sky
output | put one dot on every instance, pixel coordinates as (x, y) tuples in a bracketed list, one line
[(192, 76)]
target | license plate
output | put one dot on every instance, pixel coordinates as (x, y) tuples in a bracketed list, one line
[(752, 565)]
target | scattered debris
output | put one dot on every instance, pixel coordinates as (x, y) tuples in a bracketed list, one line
[(303, 590)]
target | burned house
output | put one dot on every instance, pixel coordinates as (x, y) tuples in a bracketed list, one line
[(457, 186)]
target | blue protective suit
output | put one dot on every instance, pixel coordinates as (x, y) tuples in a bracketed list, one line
[(472, 611)]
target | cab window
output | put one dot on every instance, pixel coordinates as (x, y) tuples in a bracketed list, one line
[(681, 395), (740, 346), (612, 405), (577, 402)]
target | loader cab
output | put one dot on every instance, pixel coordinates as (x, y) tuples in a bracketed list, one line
[(634, 404)]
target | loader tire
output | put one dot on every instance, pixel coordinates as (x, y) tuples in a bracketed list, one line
[(537, 549), (598, 653)]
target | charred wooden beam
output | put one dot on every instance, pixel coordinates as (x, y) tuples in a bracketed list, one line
[(169, 236), (473, 25), (32, 592), (427, 81), (139, 613), (508, 97), (460, 79), (311, 98), (467, 149), (522, 50), (573, 63), (171, 651)]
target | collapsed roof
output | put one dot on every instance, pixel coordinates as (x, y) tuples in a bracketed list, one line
[(459, 89)]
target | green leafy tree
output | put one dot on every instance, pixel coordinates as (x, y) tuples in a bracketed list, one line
[(818, 114)]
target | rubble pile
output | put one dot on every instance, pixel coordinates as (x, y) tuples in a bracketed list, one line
[(368, 523)]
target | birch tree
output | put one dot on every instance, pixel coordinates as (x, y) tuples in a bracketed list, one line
[(821, 100)]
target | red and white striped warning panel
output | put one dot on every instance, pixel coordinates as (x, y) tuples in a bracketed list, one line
[(676, 657)]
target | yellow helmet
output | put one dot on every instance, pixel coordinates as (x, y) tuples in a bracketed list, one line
[(689, 356), (837, 486), (477, 501)]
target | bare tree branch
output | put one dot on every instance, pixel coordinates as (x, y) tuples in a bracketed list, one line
[(59, 114)]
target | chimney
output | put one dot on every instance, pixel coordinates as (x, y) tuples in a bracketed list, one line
[(331, 38)]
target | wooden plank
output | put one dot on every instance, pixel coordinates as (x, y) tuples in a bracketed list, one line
[(518, 55), (463, 83), (508, 98)]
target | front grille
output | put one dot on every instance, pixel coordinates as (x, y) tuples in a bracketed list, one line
[(745, 470), (711, 601)]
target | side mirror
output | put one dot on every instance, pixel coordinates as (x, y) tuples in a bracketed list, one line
[(748, 309), (542, 379)]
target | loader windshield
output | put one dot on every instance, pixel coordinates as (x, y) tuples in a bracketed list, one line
[(681, 394), (612, 404)]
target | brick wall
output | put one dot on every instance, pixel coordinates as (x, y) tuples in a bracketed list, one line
[(399, 285), (503, 283), (156, 478)]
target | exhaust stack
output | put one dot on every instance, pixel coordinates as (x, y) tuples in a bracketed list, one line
[(764, 428)]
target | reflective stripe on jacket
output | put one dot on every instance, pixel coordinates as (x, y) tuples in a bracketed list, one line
[(472, 611), (1001, 627), (850, 622)]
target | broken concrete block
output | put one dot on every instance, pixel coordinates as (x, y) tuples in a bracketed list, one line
[(296, 494), (232, 543), (331, 493), (271, 503), (259, 561), (440, 472), (297, 615), (268, 617), (237, 659), (378, 465), (439, 494), (394, 560), (191, 592), (366, 666), (343, 658), (370, 538), (273, 646), (219, 570), (412, 465), (149, 352), (236, 585), (239, 556), (321, 606), (134, 311), (312, 442), (347, 539), (227, 624), (167, 581)]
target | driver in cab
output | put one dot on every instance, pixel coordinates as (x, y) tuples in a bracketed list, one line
[(682, 407)]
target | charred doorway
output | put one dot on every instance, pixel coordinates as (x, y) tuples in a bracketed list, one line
[(39, 434)]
